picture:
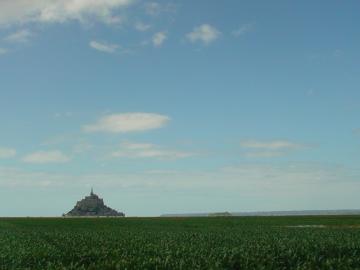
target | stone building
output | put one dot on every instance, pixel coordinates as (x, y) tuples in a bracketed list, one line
[(93, 206)]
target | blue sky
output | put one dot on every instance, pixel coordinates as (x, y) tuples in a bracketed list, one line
[(179, 106)]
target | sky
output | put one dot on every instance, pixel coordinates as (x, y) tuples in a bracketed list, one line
[(179, 106)]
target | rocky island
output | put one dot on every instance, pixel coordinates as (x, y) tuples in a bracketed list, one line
[(93, 206)]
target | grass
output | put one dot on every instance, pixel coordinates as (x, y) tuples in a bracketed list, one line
[(181, 243)]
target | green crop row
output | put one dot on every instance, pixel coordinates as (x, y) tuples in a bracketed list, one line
[(181, 243)]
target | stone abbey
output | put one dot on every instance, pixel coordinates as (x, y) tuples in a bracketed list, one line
[(93, 206)]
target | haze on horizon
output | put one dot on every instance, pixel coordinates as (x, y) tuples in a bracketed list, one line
[(179, 106)]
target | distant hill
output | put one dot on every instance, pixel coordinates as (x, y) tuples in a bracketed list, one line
[(220, 214), (273, 213)]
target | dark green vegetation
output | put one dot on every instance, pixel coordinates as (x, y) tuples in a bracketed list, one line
[(181, 243)]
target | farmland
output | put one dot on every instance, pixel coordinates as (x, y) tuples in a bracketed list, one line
[(326, 242)]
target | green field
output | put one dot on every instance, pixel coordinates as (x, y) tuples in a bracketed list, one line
[(181, 243)]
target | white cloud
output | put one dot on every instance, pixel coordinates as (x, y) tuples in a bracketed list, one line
[(147, 150), (103, 47), (153, 8), (204, 33), (82, 146), (162, 172), (21, 36), (271, 145), (268, 149), (46, 157), (264, 154), (54, 11), (63, 114), (142, 27), (243, 29), (158, 39), (310, 92), (128, 122), (291, 175), (3, 51), (239, 188), (338, 53), (7, 153), (253, 181), (356, 131)]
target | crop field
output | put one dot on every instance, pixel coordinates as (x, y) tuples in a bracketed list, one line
[(181, 243)]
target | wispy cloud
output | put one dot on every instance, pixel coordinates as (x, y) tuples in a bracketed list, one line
[(268, 149), (42, 157), (243, 29), (50, 11), (271, 145), (155, 8), (142, 27), (7, 153), (82, 146), (158, 39), (263, 181), (3, 51), (356, 131), (162, 172), (103, 47), (338, 53), (310, 92), (147, 150), (204, 33), (128, 122), (63, 114), (21, 36), (264, 154)]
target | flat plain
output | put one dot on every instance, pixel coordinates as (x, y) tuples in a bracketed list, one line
[(305, 242)]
